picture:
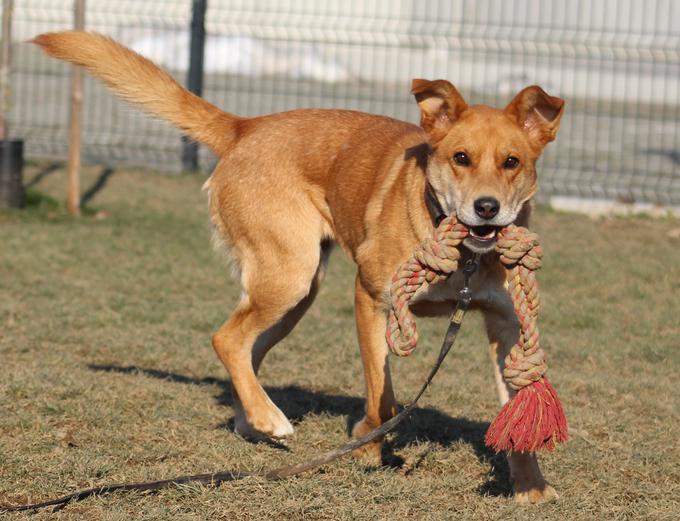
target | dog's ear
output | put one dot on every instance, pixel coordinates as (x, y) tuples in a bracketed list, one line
[(537, 113), (440, 105)]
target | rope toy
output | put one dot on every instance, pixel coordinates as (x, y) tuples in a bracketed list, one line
[(533, 419)]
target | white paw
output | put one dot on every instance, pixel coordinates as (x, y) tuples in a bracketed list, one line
[(271, 423)]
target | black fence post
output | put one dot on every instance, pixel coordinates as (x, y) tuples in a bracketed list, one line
[(195, 76)]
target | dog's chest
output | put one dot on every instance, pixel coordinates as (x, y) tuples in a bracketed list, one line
[(443, 291), (485, 293)]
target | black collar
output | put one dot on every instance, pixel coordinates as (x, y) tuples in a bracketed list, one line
[(433, 205)]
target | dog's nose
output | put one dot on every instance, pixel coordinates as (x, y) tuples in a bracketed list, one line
[(487, 207)]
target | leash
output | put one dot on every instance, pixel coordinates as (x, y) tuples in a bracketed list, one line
[(217, 478)]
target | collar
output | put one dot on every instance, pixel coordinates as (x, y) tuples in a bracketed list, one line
[(433, 205)]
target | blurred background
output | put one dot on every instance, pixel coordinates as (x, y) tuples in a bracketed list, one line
[(616, 62), (108, 375)]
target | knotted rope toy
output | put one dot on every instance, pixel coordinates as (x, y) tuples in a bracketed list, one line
[(533, 419)]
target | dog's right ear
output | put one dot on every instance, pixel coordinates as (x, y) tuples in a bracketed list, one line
[(538, 114), (440, 105)]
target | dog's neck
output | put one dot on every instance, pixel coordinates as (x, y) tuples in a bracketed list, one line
[(433, 205)]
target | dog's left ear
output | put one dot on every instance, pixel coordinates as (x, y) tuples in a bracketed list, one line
[(440, 105), (537, 113)]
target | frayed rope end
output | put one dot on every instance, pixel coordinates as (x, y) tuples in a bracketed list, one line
[(533, 420)]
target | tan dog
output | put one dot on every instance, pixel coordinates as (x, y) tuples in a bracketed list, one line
[(288, 185)]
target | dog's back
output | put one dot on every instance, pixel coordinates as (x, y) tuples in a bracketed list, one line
[(136, 79)]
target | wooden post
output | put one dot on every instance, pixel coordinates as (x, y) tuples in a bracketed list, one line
[(73, 190), (5, 61), (195, 75), (11, 150)]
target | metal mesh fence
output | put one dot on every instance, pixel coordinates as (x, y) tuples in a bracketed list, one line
[(616, 62)]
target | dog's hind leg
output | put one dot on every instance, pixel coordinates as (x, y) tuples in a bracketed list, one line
[(268, 339), (277, 292)]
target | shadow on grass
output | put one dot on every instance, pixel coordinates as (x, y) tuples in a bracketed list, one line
[(43, 173), (41, 203), (425, 424), (99, 183)]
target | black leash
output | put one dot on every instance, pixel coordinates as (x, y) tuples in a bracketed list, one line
[(217, 478)]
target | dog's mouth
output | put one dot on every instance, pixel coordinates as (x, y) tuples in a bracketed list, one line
[(484, 233), (482, 239)]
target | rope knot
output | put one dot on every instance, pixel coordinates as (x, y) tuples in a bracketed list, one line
[(433, 260), (521, 368), (518, 245), (437, 257), (521, 252), (533, 419)]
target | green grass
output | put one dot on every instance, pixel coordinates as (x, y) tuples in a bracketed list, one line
[(108, 374)]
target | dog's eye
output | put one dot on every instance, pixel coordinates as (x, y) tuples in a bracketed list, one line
[(461, 158), (510, 163)]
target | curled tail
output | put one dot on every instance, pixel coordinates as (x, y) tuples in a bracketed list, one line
[(138, 80)]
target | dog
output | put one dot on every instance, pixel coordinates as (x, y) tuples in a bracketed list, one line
[(287, 186)]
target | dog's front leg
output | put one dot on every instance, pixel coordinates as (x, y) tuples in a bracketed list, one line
[(502, 328), (371, 319)]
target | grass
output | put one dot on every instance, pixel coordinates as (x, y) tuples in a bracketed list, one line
[(108, 374)]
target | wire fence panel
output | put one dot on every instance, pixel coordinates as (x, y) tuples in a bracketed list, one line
[(616, 62), (112, 131)]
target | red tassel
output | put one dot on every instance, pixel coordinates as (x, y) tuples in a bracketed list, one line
[(532, 420)]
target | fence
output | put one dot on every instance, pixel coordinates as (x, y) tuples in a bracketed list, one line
[(616, 62)]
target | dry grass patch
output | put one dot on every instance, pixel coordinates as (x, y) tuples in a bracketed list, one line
[(108, 374)]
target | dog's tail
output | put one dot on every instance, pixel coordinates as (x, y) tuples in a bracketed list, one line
[(138, 80)]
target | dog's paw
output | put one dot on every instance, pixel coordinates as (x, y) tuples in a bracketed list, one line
[(534, 495), (371, 453), (270, 424)]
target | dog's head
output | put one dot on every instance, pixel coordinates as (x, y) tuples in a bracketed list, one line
[(482, 160)]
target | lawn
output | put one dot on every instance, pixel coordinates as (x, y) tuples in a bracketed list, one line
[(108, 374)]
